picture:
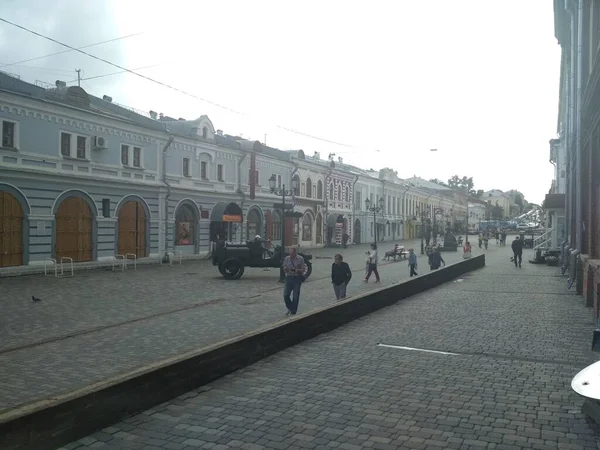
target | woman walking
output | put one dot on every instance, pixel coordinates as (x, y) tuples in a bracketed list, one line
[(372, 261)]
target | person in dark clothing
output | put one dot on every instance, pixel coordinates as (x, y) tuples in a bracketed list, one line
[(517, 248), (436, 260), (340, 276)]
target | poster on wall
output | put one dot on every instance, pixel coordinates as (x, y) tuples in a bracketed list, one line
[(184, 236)]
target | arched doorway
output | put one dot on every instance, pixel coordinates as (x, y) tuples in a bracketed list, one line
[(357, 239), (307, 227), (11, 231), (254, 226), (74, 230), (319, 229), (224, 221), (132, 229), (186, 227)]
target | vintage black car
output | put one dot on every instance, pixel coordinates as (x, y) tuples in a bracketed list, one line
[(232, 259)]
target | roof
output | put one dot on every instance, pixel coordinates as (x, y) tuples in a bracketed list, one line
[(420, 182)]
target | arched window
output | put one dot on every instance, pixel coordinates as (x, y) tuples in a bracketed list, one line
[(320, 189), (331, 193), (340, 198), (185, 225), (308, 188), (307, 227), (276, 232), (347, 199), (204, 132)]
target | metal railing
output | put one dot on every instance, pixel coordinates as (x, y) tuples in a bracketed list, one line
[(543, 241), (56, 264)]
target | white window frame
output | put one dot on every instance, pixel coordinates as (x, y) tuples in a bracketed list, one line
[(73, 145), (130, 154), (189, 175), (206, 175), (16, 143)]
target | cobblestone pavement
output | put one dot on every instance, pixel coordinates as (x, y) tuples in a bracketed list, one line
[(101, 324), (518, 336)]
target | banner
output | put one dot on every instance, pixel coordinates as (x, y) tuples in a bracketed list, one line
[(231, 218)]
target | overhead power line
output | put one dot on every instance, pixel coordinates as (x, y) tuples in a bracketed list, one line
[(168, 86), (64, 51), (112, 73)]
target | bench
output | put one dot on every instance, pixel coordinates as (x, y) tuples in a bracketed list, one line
[(399, 252)]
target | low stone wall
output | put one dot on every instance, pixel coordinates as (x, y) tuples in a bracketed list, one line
[(56, 422)]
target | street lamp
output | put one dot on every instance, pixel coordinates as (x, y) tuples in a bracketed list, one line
[(374, 209), (425, 213), (282, 192)]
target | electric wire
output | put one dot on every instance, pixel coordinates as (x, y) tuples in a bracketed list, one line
[(168, 86), (64, 51)]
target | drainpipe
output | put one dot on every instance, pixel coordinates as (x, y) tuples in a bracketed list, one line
[(578, 200), (571, 123), (167, 197), (354, 206), (240, 192)]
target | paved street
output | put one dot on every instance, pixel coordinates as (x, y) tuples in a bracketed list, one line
[(101, 324), (518, 336)]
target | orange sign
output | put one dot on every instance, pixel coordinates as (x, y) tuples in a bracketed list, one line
[(230, 218)]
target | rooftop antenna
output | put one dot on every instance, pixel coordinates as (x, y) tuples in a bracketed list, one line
[(78, 77)]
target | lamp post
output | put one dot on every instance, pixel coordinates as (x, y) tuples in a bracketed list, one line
[(423, 214), (282, 192), (374, 209)]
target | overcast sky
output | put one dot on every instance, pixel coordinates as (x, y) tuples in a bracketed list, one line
[(475, 79)]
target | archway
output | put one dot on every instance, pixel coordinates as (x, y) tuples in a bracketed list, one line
[(254, 223), (319, 229), (11, 230), (224, 220), (74, 230), (307, 227), (132, 224), (357, 239), (187, 217)]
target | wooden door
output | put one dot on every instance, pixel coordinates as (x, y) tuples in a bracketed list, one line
[(74, 230), (11, 231), (132, 229)]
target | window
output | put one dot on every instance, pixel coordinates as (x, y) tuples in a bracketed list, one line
[(319, 189), (69, 141), (204, 170), (278, 181), (125, 155), (185, 219), (204, 132), (186, 167), (276, 231), (220, 172), (358, 201), (81, 144), (9, 139), (65, 144), (137, 157), (309, 188), (131, 156)]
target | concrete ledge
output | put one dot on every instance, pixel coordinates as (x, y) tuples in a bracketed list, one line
[(591, 408), (54, 422)]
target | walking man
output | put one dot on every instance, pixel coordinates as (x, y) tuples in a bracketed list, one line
[(340, 276), (294, 269), (517, 248), (412, 262)]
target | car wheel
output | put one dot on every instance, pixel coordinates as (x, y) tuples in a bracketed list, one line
[(232, 268)]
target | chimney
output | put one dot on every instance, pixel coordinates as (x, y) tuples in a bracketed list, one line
[(60, 84), (153, 115), (161, 116), (106, 98)]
